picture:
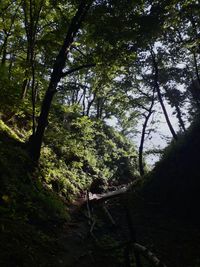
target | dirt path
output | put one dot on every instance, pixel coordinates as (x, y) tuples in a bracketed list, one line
[(82, 248), (174, 241)]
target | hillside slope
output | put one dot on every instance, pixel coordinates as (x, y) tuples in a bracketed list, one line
[(175, 180), (35, 200)]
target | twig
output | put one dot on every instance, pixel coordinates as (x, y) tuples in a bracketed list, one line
[(92, 226)]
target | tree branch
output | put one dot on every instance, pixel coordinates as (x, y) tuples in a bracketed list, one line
[(64, 74)]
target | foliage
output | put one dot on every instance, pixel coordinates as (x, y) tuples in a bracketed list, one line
[(86, 148)]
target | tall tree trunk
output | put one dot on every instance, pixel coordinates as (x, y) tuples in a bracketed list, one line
[(157, 87), (36, 139), (175, 103), (31, 19), (141, 147)]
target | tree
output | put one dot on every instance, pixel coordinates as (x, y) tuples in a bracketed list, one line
[(157, 88), (147, 116), (57, 74)]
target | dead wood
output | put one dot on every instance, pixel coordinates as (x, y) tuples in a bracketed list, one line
[(98, 198), (149, 255)]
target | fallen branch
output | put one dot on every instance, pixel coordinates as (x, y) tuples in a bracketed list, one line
[(91, 219), (88, 205), (149, 255), (109, 216), (92, 226)]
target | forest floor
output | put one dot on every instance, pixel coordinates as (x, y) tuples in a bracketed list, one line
[(173, 240)]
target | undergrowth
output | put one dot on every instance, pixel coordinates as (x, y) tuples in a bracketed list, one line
[(34, 200)]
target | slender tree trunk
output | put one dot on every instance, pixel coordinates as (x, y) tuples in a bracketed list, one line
[(157, 87), (196, 67), (100, 105), (98, 108), (174, 102), (36, 140), (179, 116), (4, 50), (25, 87), (10, 66), (83, 102), (147, 117), (197, 88), (90, 103), (26, 81)]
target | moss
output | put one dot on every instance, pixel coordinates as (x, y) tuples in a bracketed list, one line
[(7, 130)]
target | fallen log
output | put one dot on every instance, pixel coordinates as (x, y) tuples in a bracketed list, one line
[(151, 257), (105, 196)]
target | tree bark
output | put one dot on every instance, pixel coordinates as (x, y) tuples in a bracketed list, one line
[(35, 141)]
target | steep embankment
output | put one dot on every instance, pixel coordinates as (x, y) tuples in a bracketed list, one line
[(29, 211), (165, 207), (175, 181)]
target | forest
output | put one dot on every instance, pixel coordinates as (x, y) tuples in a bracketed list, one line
[(92, 93)]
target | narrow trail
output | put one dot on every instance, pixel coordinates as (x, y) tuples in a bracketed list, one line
[(99, 233), (170, 239), (78, 242)]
